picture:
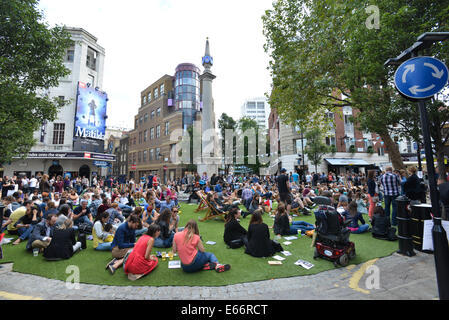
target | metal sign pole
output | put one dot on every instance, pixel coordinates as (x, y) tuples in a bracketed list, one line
[(440, 243)]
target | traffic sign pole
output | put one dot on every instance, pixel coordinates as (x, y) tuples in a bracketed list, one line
[(420, 78), (440, 243)]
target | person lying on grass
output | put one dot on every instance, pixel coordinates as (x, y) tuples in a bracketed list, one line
[(192, 253)]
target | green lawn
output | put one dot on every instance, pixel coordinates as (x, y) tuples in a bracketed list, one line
[(244, 268)]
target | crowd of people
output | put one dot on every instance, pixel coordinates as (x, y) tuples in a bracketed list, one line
[(48, 212)]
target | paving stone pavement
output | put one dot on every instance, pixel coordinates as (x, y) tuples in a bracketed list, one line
[(399, 277)]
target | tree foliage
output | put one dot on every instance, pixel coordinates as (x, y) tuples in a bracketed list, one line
[(315, 148), (31, 62), (323, 49)]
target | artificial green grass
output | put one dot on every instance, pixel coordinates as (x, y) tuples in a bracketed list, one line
[(244, 268)]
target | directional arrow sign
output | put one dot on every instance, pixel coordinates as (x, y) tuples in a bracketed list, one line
[(421, 77)]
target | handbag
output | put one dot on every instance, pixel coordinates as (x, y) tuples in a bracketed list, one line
[(82, 239), (85, 228), (234, 244)]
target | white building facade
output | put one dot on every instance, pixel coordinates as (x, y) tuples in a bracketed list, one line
[(257, 109), (54, 151)]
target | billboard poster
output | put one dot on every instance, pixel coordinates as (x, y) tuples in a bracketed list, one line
[(90, 117)]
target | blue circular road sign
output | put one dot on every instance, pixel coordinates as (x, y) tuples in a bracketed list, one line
[(421, 77)]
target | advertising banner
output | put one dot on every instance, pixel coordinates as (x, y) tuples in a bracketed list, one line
[(90, 117)]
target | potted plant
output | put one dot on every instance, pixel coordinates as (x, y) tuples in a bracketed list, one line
[(333, 149), (352, 149), (370, 150)]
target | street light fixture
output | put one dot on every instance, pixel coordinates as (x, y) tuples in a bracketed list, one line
[(441, 249)]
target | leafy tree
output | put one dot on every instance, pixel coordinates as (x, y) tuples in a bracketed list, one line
[(31, 62), (227, 123), (325, 57), (315, 148)]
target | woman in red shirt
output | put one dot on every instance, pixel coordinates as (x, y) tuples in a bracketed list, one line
[(191, 251), (140, 261)]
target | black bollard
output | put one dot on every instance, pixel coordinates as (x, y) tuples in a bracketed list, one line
[(419, 213), (404, 224)]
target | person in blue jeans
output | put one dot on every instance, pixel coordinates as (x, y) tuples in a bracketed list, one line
[(191, 251), (355, 217), (26, 223), (82, 214), (392, 188), (283, 225), (165, 239)]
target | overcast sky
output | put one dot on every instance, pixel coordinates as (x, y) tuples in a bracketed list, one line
[(145, 39)]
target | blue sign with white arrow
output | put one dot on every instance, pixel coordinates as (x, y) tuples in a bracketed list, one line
[(421, 77)]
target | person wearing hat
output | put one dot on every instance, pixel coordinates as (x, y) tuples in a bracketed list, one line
[(283, 185)]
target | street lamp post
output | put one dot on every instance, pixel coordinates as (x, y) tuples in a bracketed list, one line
[(441, 248)]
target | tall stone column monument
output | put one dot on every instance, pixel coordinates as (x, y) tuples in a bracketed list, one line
[(209, 157)]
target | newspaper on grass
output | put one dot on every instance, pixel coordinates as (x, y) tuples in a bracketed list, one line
[(175, 264), (287, 243), (286, 253), (305, 264), (291, 238), (211, 242), (278, 258)]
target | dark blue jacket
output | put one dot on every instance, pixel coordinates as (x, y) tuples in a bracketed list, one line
[(124, 237)]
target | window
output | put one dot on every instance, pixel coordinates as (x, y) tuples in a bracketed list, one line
[(145, 156), (139, 157), (149, 97), (145, 118), (58, 133), (158, 112), (381, 151), (158, 131), (167, 124), (70, 57), (151, 133), (61, 100), (145, 135), (91, 60), (158, 153), (140, 137), (91, 80), (137, 122), (162, 90), (151, 154), (144, 100), (330, 141), (251, 105), (261, 105), (155, 95), (140, 120), (152, 114)]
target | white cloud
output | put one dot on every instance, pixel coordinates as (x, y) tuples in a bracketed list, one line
[(146, 39)]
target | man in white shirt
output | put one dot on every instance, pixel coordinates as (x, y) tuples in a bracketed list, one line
[(32, 184)]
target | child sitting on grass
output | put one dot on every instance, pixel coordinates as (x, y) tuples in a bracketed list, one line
[(355, 216)]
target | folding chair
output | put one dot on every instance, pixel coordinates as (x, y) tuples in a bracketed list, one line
[(212, 213), (203, 203)]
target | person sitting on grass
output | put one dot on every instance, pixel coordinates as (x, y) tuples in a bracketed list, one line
[(283, 224), (355, 216), (234, 235), (381, 225), (63, 244), (253, 206), (165, 239), (82, 214), (26, 223), (124, 240), (297, 202), (259, 243), (140, 262), (42, 234), (102, 239), (115, 217), (192, 253)]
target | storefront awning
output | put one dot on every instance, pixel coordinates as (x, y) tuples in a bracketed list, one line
[(347, 162)]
